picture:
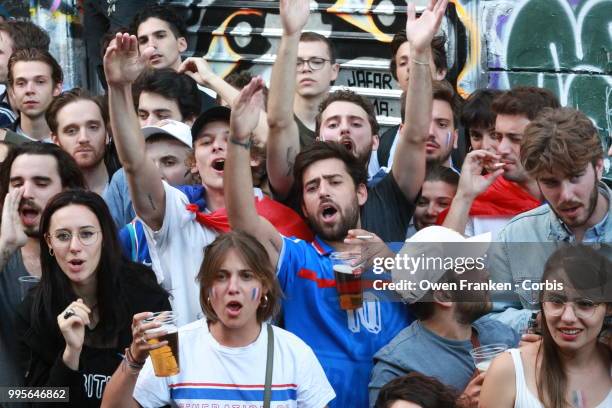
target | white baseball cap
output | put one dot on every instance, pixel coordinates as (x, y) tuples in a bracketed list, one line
[(176, 129), (436, 241)]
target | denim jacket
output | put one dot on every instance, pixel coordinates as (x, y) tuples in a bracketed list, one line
[(525, 243)]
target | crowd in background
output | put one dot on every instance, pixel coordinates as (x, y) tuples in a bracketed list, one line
[(226, 212)]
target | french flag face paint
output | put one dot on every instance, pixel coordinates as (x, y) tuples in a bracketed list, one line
[(254, 294)]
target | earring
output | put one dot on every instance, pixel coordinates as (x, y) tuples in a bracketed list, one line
[(265, 302), (51, 252)]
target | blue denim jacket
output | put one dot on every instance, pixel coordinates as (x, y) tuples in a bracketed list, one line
[(525, 243)]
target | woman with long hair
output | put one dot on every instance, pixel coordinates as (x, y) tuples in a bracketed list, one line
[(569, 367), (232, 357), (74, 326)]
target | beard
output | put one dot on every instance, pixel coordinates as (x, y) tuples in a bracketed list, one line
[(592, 205), (347, 220)]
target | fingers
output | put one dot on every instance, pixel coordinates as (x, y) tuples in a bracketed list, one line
[(411, 11)]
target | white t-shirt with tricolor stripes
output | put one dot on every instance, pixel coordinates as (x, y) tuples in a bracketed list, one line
[(215, 376)]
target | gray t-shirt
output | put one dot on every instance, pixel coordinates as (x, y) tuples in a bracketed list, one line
[(418, 349), (10, 298)]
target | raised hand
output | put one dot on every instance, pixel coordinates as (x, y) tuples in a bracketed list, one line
[(12, 236), (122, 63), (420, 31), (246, 110), (294, 15), (197, 68), (369, 246), (472, 182)]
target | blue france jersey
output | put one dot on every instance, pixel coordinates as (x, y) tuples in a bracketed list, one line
[(343, 341)]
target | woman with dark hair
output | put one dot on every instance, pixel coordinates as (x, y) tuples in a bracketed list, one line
[(569, 367), (224, 359), (416, 390), (74, 326)]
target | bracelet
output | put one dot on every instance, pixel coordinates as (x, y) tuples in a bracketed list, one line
[(131, 361), (246, 145), (416, 61)]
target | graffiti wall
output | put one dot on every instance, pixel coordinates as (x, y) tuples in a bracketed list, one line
[(563, 45)]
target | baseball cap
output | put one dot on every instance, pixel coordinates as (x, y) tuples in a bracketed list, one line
[(176, 129), (436, 242), (215, 113)]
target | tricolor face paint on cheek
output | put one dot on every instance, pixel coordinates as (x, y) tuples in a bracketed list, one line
[(254, 293)]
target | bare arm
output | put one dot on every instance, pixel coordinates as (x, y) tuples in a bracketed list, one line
[(499, 387), (119, 390), (199, 70), (409, 161), (237, 178), (284, 142), (471, 184), (122, 64)]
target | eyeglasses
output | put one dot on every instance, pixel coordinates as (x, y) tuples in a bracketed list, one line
[(63, 238), (314, 63), (583, 308)]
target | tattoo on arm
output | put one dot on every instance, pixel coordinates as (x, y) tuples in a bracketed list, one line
[(151, 202), (290, 161)]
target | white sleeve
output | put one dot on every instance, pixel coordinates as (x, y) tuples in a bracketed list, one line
[(151, 391), (175, 218), (314, 390)]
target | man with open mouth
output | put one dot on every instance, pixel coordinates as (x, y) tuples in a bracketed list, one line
[(31, 174)]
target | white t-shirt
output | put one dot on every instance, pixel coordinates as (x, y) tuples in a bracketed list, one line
[(477, 225), (177, 251), (212, 375)]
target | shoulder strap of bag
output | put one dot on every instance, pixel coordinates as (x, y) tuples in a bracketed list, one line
[(269, 367)]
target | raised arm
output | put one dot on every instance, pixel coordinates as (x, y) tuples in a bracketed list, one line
[(122, 65), (237, 172), (199, 70), (409, 161), (12, 236), (471, 184), (283, 139)]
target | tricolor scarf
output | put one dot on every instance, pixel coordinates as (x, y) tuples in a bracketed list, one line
[(285, 220)]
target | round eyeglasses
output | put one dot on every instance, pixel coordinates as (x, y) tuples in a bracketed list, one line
[(63, 238), (314, 63), (583, 308)]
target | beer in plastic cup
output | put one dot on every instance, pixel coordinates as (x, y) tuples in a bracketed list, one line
[(483, 356), (165, 359), (347, 272)]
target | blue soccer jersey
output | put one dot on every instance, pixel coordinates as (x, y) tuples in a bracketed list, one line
[(344, 341)]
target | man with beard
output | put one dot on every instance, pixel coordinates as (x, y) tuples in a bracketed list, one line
[(487, 202), (449, 324), (349, 119), (562, 152), (331, 187), (34, 78), (78, 125), (31, 174)]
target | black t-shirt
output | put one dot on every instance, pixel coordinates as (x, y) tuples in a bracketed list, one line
[(387, 211), (207, 101), (307, 136), (41, 353)]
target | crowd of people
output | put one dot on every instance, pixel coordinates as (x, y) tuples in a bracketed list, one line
[(158, 203)]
